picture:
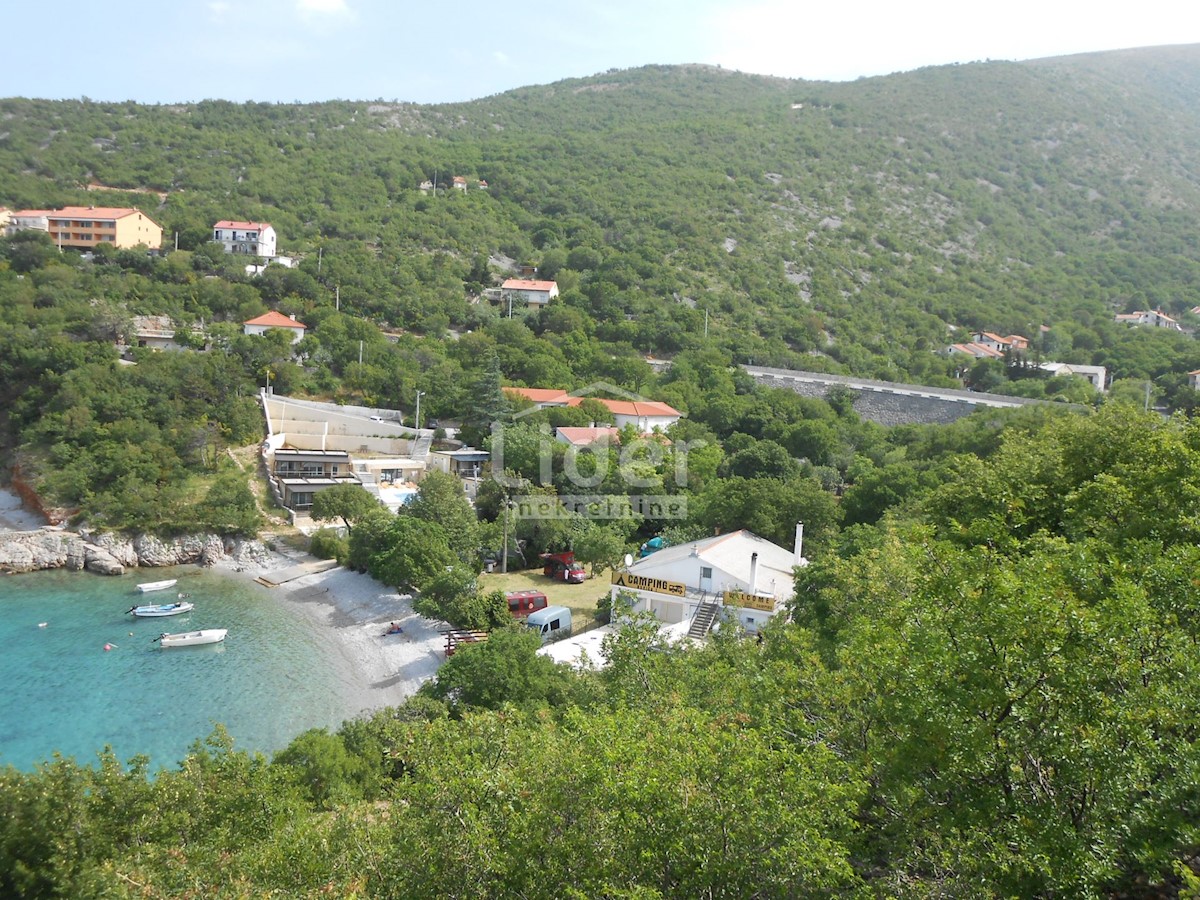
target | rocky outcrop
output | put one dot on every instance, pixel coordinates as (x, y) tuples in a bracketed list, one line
[(112, 554)]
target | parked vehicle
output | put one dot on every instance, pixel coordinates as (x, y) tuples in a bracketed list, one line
[(522, 603), (562, 567), (551, 623)]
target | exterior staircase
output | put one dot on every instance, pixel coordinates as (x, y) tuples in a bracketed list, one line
[(702, 622), (368, 482), (420, 447)]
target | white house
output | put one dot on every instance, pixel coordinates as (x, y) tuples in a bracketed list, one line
[(979, 351), (253, 238), (158, 332), (27, 220), (532, 293), (1152, 317), (263, 324), (742, 573), (1014, 342), (644, 415), (1097, 376)]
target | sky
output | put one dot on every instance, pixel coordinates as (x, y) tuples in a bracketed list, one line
[(311, 50)]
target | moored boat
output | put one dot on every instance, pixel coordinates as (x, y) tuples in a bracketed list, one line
[(147, 586), (192, 638), (162, 609)]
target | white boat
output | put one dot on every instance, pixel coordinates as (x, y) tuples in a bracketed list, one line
[(192, 638), (163, 609), (148, 586)]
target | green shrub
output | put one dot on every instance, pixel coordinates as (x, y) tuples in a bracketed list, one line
[(328, 544)]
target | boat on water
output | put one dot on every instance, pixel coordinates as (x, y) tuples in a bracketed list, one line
[(163, 609), (192, 638), (147, 586)]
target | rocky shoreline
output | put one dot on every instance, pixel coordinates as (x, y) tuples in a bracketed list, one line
[(111, 554)]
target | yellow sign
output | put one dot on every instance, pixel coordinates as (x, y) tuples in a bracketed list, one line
[(749, 601), (653, 585)]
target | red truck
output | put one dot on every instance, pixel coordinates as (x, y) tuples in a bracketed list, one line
[(522, 603), (562, 567)]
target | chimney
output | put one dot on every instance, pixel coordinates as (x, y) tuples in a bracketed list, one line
[(753, 573), (799, 560)]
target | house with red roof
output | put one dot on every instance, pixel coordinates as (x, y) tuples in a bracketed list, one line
[(585, 436), (534, 294), (979, 351), (644, 415), (83, 227), (249, 238), (264, 323), (1014, 342)]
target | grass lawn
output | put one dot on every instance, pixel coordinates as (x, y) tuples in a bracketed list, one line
[(579, 598)]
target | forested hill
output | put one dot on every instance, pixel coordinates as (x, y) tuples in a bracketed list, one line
[(846, 226)]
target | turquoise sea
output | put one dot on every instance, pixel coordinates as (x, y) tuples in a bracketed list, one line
[(275, 675)]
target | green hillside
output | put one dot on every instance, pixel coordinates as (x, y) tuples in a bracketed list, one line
[(986, 684), (845, 227)]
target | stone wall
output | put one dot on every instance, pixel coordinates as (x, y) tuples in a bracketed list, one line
[(888, 403), (112, 554)]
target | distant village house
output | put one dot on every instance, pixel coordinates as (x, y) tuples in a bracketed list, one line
[(251, 238), (264, 323), (533, 294), (644, 415), (83, 227), (1154, 318)]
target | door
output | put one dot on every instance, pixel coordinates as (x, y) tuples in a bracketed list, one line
[(706, 579)]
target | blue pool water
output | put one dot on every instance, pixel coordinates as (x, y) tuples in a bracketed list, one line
[(60, 690)]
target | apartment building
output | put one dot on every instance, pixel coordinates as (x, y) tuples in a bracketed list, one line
[(83, 227)]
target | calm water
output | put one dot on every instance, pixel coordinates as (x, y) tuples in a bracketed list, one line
[(273, 677)]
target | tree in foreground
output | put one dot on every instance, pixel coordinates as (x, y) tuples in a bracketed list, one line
[(348, 502)]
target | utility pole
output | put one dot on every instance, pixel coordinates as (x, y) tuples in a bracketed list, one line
[(706, 323), (319, 250), (337, 298), (417, 415), (504, 549)]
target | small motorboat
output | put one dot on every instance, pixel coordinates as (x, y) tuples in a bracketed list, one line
[(192, 638), (162, 609), (147, 586)]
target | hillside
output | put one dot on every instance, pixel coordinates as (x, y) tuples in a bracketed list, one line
[(841, 226), (986, 682)]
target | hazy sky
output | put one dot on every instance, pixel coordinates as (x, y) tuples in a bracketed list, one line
[(284, 50)]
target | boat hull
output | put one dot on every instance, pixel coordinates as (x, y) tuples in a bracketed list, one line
[(193, 638), (148, 586), (162, 609)]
